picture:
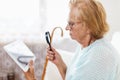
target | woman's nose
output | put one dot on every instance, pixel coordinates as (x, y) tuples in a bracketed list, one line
[(67, 27)]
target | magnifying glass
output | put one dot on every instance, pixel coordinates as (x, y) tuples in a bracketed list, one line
[(48, 39)]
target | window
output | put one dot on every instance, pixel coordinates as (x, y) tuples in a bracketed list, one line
[(21, 17)]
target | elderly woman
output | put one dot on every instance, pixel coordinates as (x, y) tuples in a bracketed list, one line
[(96, 59)]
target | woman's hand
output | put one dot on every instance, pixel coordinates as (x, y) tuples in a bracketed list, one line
[(30, 75), (54, 57)]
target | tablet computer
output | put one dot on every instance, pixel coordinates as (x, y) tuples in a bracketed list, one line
[(20, 53)]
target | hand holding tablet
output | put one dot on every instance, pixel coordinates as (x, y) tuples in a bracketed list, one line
[(20, 53)]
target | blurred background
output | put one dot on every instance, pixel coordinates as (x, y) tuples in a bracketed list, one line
[(32, 17)]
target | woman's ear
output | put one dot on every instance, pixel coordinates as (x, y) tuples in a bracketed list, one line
[(88, 31)]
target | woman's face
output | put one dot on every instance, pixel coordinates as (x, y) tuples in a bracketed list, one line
[(78, 30)]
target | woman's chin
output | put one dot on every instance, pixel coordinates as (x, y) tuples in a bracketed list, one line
[(71, 37)]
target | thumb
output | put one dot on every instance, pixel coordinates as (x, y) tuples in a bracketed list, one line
[(31, 66)]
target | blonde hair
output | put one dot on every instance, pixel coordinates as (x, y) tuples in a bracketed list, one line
[(93, 14)]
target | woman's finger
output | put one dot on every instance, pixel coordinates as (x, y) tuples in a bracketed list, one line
[(50, 52), (50, 57), (31, 66)]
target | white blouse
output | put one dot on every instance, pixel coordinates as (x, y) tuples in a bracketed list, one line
[(98, 61)]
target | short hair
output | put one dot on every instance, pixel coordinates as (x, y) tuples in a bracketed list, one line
[(93, 14)]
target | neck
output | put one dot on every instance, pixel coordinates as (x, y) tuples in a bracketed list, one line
[(87, 41)]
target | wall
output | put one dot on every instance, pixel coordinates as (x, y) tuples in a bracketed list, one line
[(112, 8)]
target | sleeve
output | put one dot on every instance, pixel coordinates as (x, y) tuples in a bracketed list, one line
[(97, 64)]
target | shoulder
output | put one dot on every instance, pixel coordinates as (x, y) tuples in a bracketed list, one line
[(102, 50), (102, 45)]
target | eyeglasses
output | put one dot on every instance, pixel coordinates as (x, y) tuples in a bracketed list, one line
[(71, 24)]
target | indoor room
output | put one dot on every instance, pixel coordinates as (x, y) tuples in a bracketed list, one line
[(29, 20)]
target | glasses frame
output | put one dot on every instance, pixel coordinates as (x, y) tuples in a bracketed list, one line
[(71, 24)]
